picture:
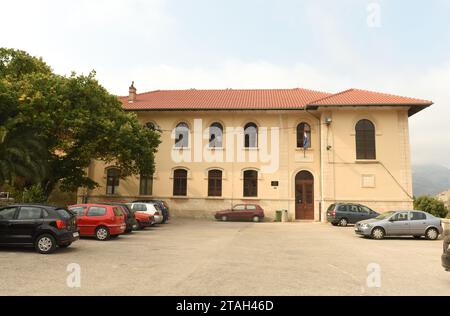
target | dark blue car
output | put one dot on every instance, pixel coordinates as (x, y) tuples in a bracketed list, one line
[(343, 214)]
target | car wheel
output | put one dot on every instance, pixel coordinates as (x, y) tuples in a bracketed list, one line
[(224, 218), (102, 233), (256, 219), (45, 244), (137, 226), (65, 246), (432, 234), (343, 222), (378, 233)]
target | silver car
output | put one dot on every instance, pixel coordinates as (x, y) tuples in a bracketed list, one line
[(401, 223)]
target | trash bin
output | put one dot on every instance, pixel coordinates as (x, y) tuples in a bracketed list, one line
[(278, 216)]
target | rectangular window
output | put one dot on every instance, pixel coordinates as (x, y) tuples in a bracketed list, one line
[(27, 213), (180, 182), (8, 213), (364, 210), (96, 211), (250, 183), (117, 211), (215, 183), (112, 181), (139, 208), (146, 185), (418, 216), (79, 210)]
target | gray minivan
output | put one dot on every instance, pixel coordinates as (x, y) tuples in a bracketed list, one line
[(343, 214)]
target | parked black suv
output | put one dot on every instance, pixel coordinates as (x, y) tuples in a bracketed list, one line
[(44, 227), (343, 214), (131, 217)]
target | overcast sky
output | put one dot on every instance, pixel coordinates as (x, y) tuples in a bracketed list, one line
[(400, 47)]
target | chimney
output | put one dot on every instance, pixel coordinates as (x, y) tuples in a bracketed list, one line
[(132, 93)]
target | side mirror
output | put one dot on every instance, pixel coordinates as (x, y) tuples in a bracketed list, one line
[(391, 220)]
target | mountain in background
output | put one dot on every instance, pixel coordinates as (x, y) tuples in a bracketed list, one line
[(430, 179)]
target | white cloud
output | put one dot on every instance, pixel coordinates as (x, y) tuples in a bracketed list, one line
[(85, 34)]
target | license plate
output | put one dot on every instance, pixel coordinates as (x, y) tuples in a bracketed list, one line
[(76, 234)]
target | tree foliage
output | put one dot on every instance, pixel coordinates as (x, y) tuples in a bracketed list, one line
[(74, 118), (431, 205)]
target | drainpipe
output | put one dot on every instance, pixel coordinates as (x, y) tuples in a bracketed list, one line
[(320, 162)]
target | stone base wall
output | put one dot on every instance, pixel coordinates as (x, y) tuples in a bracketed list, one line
[(201, 208), (205, 208)]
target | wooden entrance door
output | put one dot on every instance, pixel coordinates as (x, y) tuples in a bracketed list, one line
[(304, 196)]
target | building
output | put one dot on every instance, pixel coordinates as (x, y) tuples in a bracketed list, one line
[(286, 149)]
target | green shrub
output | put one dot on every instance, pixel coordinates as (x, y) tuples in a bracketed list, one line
[(431, 205), (34, 194)]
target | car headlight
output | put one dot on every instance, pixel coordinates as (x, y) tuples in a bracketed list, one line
[(365, 226)]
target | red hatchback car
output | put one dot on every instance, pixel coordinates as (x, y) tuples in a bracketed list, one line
[(102, 221), (242, 212)]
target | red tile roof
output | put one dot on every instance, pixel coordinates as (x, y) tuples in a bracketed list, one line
[(288, 99), (223, 99), (364, 97)]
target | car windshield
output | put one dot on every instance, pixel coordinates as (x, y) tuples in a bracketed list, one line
[(385, 215)]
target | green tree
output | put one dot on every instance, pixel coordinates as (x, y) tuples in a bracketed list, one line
[(431, 205), (22, 152), (34, 194), (76, 119)]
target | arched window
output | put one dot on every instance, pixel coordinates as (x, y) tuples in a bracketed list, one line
[(365, 140), (146, 185), (112, 181), (303, 135), (180, 182), (215, 183), (182, 135), (250, 183), (216, 135), (251, 135)]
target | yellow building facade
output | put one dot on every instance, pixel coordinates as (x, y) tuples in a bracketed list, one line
[(296, 150)]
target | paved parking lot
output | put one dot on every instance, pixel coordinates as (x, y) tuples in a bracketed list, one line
[(188, 257)]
